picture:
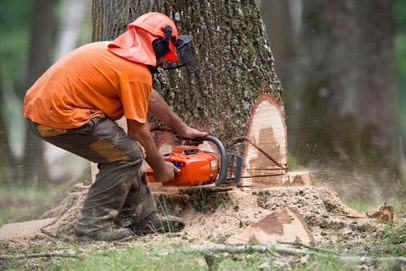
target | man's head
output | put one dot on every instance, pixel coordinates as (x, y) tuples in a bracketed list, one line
[(164, 31), (153, 38)]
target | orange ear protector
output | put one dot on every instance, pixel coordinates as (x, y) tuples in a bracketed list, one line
[(161, 45)]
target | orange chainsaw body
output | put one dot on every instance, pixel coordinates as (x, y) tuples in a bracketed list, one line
[(197, 167)]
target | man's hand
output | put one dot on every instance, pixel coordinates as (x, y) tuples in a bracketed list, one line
[(191, 133), (166, 173)]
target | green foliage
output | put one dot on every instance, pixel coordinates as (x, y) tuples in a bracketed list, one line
[(399, 14), (400, 54), (14, 32)]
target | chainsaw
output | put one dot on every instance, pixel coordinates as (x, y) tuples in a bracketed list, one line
[(201, 168)]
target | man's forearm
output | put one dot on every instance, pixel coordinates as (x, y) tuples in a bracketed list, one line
[(140, 133), (162, 111)]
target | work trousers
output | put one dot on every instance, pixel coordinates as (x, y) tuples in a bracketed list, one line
[(119, 196)]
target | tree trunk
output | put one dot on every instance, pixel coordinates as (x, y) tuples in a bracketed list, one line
[(42, 40), (233, 53), (8, 171), (341, 101), (70, 26), (351, 110)]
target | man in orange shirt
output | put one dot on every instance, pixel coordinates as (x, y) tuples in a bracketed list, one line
[(74, 105)]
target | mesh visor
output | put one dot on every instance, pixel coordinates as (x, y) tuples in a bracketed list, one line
[(185, 55)]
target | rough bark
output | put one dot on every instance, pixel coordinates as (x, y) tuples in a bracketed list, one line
[(233, 53)]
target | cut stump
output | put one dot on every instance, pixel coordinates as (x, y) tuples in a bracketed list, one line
[(266, 151)]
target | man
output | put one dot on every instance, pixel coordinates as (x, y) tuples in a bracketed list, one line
[(74, 105)]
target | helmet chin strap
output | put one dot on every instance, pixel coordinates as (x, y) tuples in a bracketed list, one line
[(152, 69)]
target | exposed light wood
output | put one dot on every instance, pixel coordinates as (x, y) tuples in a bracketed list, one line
[(266, 151), (286, 224)]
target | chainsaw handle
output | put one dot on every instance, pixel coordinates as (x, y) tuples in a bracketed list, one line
[(223, 156)]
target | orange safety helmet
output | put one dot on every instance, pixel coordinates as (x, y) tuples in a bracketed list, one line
[(164, 28), (148, 32)]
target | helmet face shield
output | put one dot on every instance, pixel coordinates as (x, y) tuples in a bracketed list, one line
[(185, 55)]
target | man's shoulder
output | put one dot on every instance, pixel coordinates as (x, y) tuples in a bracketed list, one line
[(98, 46)]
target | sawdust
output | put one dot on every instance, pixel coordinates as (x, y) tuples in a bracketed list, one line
[(216, 216)]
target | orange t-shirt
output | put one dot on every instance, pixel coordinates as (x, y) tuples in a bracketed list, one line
[(89, 82)]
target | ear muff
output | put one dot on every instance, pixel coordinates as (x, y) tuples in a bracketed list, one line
[(161, 45)]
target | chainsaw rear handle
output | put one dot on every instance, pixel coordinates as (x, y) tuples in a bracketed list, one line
[(223, 157)]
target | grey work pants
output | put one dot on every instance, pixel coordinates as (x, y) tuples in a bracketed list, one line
[(119, 196)]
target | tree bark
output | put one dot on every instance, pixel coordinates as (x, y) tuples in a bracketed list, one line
[(231, 48)]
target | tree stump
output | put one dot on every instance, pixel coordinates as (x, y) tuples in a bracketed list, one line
[(265, 159)]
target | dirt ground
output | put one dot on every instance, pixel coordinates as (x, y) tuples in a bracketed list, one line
[(214, 216)]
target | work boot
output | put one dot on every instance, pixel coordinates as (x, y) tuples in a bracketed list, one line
[(108, 234), (139, 204), (157, 224), (103, 202), (139, 212)]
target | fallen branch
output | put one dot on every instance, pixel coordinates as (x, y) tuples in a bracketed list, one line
[(254, 248), (219, 248), (386, 248), (39, 255)]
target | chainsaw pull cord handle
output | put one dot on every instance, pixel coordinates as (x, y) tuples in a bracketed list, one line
[(223, 157)]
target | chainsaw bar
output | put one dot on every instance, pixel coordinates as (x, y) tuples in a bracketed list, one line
[(230, 167)]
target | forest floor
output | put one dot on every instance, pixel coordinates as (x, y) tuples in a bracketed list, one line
[(212, 217)]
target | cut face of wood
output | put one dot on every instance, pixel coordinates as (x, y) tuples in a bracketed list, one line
[(266, 150), (286, 224)]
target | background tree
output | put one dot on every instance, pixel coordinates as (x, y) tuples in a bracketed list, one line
[(232, 50), (42, 42), (336, 62), (12, 72)]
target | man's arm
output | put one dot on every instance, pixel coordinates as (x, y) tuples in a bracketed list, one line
[(163, 171), (160, 109)]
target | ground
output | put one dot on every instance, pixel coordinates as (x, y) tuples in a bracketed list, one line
[(215, 216)]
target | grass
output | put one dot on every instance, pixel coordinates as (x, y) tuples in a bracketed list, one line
[(138, 255), (19, 204), (145, 254)]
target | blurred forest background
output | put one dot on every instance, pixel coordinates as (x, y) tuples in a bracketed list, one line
[(342, 64)]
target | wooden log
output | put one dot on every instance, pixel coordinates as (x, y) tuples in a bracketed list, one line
[(266, 151), (286, 224)]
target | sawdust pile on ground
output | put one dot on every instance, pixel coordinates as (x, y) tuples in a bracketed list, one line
[(215, 216)]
